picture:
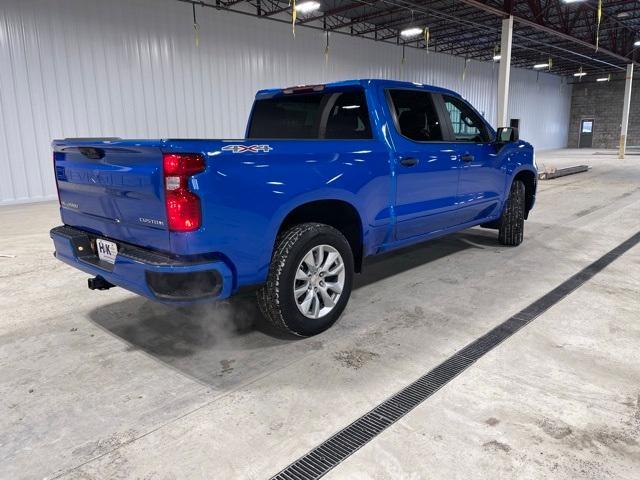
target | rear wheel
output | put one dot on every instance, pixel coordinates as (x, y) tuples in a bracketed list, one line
[(309, 280), (511, 223)]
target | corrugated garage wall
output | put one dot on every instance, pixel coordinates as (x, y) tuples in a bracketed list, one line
[(130, 68)]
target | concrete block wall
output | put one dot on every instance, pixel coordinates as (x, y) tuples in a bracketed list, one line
[(603, 102)]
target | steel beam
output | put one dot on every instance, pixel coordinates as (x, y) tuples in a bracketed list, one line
[(625, 111), (505, 70), (551, 31), (331, 12)]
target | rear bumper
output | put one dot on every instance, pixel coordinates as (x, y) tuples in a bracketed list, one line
[(146, 272)]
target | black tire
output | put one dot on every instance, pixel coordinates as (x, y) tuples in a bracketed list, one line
[(276, 299), (511, 223)]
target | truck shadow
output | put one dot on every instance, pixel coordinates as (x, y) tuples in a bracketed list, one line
[(228, 343)]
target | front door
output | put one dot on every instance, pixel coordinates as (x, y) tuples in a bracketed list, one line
[(482, 178), (426, 166), (586, 133)]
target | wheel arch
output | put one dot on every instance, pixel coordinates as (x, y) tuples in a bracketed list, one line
[(340, 214), (528, 177)]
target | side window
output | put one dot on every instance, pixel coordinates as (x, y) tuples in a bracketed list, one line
[(416, 114), (348, 118), (466, 124)]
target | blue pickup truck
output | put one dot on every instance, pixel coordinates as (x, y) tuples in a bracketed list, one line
[(325, 176)]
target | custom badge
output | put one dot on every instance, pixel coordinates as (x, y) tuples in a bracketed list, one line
[(247, 148)]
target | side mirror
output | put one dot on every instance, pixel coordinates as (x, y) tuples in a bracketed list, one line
[(507, 135)]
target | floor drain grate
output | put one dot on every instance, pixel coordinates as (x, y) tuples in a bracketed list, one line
[(333, 451)]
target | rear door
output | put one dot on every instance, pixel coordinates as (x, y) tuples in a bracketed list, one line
[(482, 176), (114, 189), (426, 166)]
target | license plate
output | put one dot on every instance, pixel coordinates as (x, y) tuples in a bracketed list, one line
[(107, 251)]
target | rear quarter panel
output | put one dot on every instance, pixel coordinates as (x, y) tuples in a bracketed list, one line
[(246, 196)]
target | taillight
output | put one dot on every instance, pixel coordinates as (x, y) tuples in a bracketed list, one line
[(183, 206), (182, 163)]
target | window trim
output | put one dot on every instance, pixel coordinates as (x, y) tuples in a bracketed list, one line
[(449, 123), (396, 121)]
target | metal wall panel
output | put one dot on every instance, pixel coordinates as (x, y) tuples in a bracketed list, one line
[(130, 68)]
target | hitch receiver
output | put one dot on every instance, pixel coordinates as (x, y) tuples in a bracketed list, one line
[(99, 283)]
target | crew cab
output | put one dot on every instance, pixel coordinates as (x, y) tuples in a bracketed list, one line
[(326, 176)]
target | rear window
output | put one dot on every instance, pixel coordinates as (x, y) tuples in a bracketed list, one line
[(330, 115)]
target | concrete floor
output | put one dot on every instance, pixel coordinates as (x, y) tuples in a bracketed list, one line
[(107, 385)]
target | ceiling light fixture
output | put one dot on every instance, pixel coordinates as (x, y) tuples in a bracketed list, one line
[(636, 43), (411, 32), (307, 7), (497, 57), (572, 1), (540, 65), (603, 79), (579, 74)]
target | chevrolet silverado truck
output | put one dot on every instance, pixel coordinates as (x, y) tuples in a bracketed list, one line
[(326, 176)]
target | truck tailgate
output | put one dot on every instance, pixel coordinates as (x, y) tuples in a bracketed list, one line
[(114, 189)]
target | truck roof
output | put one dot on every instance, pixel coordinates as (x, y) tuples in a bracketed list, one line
[(368, 82)]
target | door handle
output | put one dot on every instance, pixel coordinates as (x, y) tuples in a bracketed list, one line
[(467, 157), (409, 162)]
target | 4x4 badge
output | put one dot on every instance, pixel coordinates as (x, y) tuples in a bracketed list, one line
[(247, 148)]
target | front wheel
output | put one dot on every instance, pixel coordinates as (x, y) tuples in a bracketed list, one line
[(310, 279), (511, 223)]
